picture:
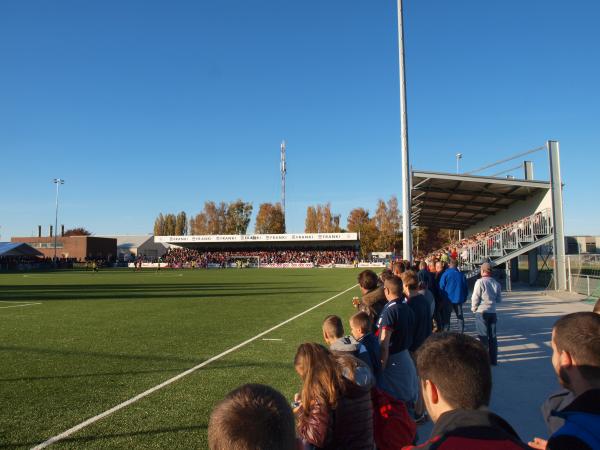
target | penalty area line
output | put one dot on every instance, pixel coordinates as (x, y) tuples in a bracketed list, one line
[(108, 412)]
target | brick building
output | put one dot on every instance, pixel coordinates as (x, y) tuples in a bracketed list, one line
[(78, 247)]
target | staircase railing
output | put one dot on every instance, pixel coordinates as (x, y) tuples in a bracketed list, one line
[(510, 238)]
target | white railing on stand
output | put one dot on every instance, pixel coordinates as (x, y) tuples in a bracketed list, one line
[(508, 239)]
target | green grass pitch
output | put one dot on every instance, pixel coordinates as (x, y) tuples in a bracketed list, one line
[(98, 339)]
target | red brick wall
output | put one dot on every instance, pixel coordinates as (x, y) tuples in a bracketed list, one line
[(78, 247)]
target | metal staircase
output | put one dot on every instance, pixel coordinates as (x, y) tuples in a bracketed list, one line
[(516, 239)]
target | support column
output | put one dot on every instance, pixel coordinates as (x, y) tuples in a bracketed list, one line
[(560, 272), (532, 259), (508, 280), (514, 269)]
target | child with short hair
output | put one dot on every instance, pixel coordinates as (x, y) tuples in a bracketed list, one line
[(360, 326)]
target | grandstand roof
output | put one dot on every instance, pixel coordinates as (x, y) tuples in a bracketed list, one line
[(443, 200), (18, 249)]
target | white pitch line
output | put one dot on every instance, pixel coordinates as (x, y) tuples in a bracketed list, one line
[(132, 400), (272, 339), (20, 305)]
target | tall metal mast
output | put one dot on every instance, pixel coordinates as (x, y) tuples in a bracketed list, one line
[(406, 207), (283, 172)]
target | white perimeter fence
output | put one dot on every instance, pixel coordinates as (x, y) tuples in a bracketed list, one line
[(583, 272)]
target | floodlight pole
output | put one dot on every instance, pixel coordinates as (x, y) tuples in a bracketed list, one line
[(406, 207), (283, 169), (458, 158), (58, 182)]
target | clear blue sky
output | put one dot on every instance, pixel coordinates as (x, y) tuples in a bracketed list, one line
[(150, 106)]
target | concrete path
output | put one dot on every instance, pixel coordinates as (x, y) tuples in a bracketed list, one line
[(524, 376)]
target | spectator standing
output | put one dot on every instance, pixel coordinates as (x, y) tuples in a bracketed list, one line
[(425, 276), (396, 329), (456, 382), (437, 294), (420, 308), (332, 412), (422, 329), (252, 417), (453, 287), (576, 361), (486, 294), (373, 298), (360, 325)]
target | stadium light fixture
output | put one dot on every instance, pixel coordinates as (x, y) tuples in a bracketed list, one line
[(458, 158), (58, 182)]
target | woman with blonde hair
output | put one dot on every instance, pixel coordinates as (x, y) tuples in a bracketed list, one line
[(332, 411)]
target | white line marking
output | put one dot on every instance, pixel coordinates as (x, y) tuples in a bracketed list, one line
[(272, 339), (132, 400), (20, 305)]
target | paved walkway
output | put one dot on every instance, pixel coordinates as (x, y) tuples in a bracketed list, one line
[(524, 376)]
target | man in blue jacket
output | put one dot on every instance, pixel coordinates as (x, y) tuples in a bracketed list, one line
[(453, 289)]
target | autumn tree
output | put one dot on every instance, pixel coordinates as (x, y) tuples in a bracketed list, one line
[(426, 240), (237, 217), (269, 219), (222, 218), (319, 219), (215, 217), (169, 227), (181, 224), (388, 221), (198, 224), (360, 222), (79, 231), (311, 224), (159, 225)]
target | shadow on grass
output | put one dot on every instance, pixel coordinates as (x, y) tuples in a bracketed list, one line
[(146, 291), (192, 363), (83, 439)]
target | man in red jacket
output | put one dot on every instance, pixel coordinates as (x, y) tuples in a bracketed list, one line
[(456, 382)]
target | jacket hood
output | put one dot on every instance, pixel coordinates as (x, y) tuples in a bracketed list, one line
[(472, 418), (345, 344), (588, 402), (374, 296)]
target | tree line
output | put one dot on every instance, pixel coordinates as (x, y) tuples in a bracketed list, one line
[(379, 231)]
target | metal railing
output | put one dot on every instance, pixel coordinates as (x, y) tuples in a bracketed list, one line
[(508, 239)]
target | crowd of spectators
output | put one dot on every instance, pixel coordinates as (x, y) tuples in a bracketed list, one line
[(371, 388), (459, 249), (187, 257)]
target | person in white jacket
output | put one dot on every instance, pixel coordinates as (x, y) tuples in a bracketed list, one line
[(486, 293)]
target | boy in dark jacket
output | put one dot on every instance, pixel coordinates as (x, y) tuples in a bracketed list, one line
[(360, 325), (456, 381)]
